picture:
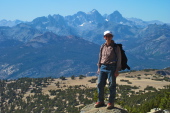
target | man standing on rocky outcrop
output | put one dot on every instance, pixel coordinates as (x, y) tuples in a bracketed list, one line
[(108, 66)]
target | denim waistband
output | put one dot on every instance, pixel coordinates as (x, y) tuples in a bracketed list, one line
[(109, 64)]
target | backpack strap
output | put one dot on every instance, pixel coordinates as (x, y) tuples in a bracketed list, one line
[(115, 48)]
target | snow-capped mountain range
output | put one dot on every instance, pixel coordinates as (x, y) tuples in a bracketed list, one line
[(55, 45)]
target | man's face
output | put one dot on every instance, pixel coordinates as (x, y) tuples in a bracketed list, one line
[(108, 37)]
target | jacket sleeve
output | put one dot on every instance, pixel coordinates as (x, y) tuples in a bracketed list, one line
[(118, 59), (100, 54)]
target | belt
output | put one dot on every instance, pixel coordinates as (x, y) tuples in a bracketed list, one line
[(109, 63)]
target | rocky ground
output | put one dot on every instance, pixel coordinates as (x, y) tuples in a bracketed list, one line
[(90, 109)]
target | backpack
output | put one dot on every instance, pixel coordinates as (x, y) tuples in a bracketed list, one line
[(123, 56)]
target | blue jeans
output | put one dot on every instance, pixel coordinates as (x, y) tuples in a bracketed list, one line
[(107, 72)]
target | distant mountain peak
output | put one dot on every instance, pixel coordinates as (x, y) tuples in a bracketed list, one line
[(117, 13), (80, 12), (10, 23), (116, 17), (95, 16), (93, 12)]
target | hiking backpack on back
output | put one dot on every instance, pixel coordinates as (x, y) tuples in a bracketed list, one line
[(123, 58)]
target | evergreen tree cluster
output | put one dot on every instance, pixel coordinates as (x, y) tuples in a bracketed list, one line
[(12, 93), (144, 101), (70, 100)]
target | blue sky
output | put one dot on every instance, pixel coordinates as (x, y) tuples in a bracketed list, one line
[(27, 10)]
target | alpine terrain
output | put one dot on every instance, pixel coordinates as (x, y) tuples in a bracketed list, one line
[(57, 45)]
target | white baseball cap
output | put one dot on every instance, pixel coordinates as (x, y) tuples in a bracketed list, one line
[(108, 32)]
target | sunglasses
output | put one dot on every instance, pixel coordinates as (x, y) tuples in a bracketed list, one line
[(108, 35)]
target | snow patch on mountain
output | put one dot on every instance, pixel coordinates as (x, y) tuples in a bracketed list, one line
[(82, 24)]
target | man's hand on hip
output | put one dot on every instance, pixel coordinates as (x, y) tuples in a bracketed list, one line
[(116, 73)]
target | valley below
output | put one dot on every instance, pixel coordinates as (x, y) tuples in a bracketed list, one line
[(71, 94)]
